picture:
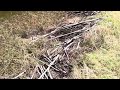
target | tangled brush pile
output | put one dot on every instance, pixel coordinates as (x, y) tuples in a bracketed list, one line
[(56, 60)]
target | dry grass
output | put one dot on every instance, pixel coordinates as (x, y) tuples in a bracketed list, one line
[(100, 58), (15, 52), (104, 61)]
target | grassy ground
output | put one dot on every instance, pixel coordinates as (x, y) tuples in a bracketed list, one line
[(14, 51), (104, 62), (101, 61)]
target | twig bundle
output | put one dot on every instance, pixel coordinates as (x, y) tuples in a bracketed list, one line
[(58, 60)]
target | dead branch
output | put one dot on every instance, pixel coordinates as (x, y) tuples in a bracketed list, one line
[(34, 71), (49, 66), (19, 75), (42, 71), (57, 59), (50, 74)]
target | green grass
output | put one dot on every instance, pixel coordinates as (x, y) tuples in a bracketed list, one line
[(105, 61)]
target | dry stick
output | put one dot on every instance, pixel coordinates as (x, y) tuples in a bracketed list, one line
[(49, 66), (91, 20), (75, 24), (42, 70), (78, 45), (19, 75), (54, 50), (49, 55), (34, 71), (70, 25), (66, 43), (45, 63), (67, 56), (67, 27), (39, 70), (45, 73), (68, 46), (85, 29), (71, 41), (52, 32), (55, 30), (50, 74), (70, 33), (47, 58)]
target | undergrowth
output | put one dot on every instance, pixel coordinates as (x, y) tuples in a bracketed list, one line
[(105, 60)]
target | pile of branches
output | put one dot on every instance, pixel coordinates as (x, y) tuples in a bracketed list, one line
[(70, 37), (83, 13), (56, 64)]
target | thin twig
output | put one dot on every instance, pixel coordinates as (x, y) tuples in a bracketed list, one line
[(58, 28), (42, 71), (49, 60), (45, 73), (50, 74), (38, 70), (51, 32), (49, 66), (67, 56), (34, 71), (54, 50), (40, 61), (78, 45), (65, 45), (79, 23), (68, 46), (19, 75), (84, 29)]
